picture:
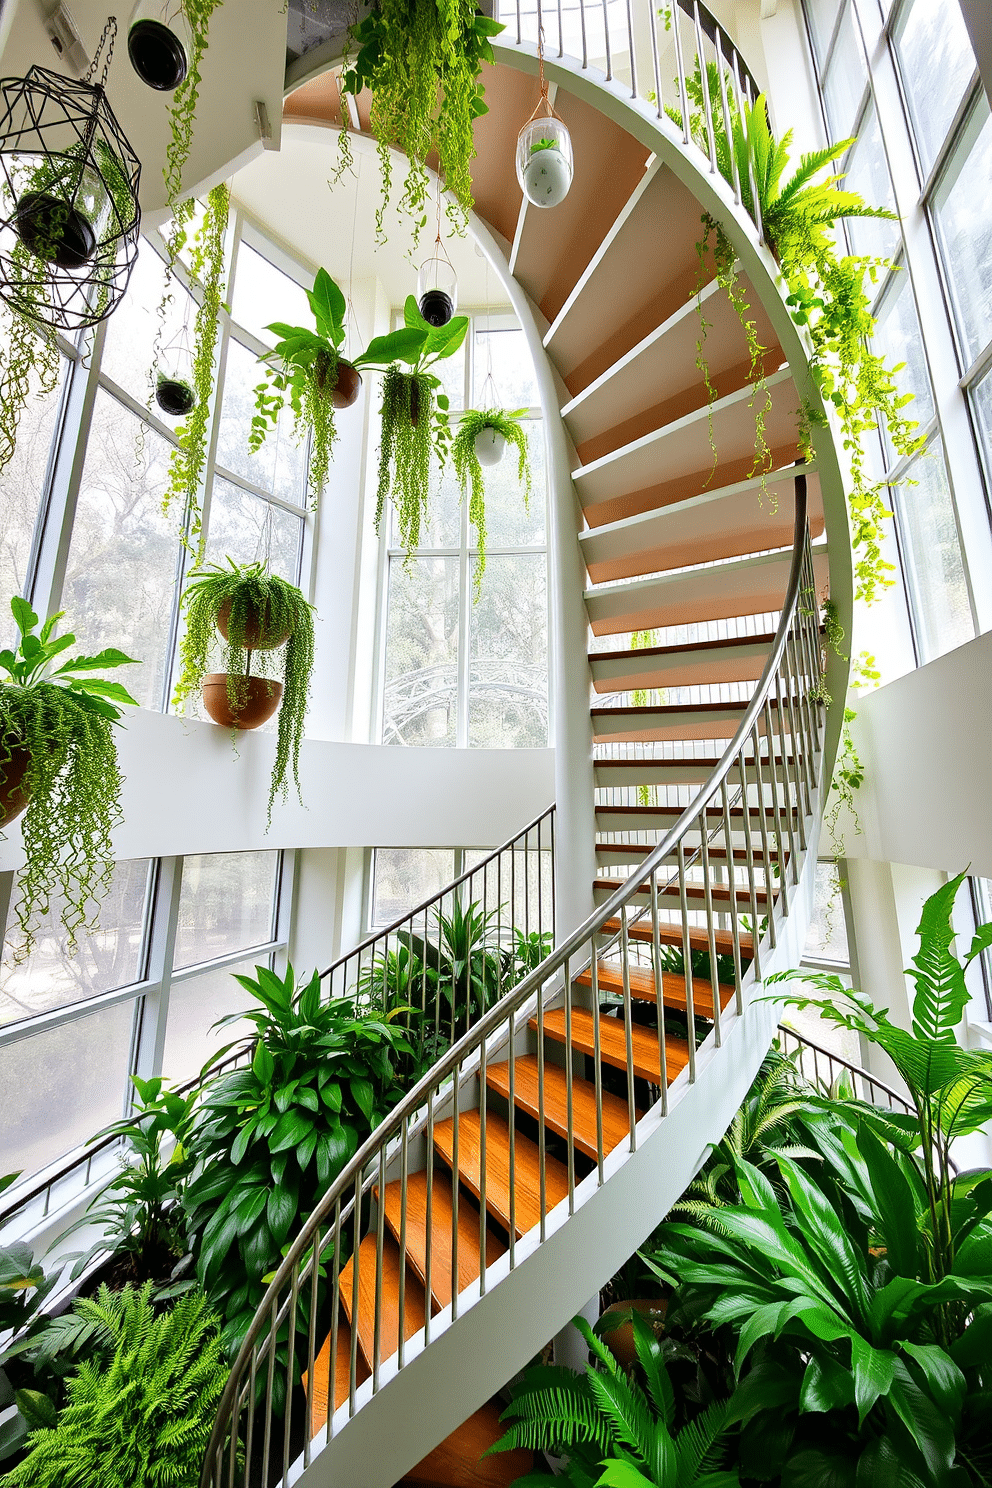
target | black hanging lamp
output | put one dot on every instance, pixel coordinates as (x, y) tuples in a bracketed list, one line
[(69, 212), (160, 43), (437, 285)]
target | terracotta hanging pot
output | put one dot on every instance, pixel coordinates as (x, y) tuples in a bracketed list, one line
[(262, 699), (620, 1340), (14, 794), (348, 386), (259, 632)]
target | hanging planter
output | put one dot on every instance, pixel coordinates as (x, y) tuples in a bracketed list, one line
[(306, 370), (489, 445), (175, 393), (58, 768), (160, 43), (544, 161), (257, 614), (437, 286), (479, 442)]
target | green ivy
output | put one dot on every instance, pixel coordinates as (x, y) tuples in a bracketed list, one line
[(182, 115), (469, 471)]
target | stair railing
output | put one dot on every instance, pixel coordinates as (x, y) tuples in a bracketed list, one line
[(774, 763)]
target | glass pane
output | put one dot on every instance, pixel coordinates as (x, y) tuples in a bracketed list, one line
[(442, 525), (821, 15), (509, 522), (898, 339), (134, 327), (281, 464), (263, 293), (226, 903), (845, 79), (505, 351), (248, 529), (937, 62), (421, 695), (195, 1005), (22, 484), (404, 877), (935, 579), (61, 1086), (981, 403), (109, 958), (121, 578), (964, 225), (452, 375), (508, 683), (868, 174), (840, 1042), (826, 935)]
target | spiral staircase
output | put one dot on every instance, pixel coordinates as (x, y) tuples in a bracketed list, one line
[(694, 744)]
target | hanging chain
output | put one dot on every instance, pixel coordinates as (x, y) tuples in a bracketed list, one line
[(544, 101), (107, 39)]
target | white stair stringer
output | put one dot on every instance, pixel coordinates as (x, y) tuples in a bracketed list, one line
[(496, 1334)]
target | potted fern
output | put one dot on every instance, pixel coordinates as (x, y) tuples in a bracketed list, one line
[(415, 425), (307, 369), (480, 441), (256, 614), (58, 766)]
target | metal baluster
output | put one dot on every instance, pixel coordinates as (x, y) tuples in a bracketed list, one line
[(269, 1381), (597, 1061), (727, 121), (710, 927), (776, 809), (512, 1060), (540, 884), (401, 1302), (630, 43), (628, 1026), (250, 1426), (429, 1217), (690, 1012), (483, 1111), (541, 1133), (763, 830), (312, 1342), (287, 1411), (332, 1386), (659, 992), (735, 931), (455, 1179), (680, 65), (569, 1123), (356, 1236), (787, 722), (791, 792), (606, 37), (756, 204), (798, 711), (554, 903), (655, 64), (380, 1240), (561, 33), (705, 84), (582, 23)]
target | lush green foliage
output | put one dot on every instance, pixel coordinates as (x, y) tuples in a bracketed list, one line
[(25, 348), (63, 716), (252, 592), (138, 1211), (614, 1432), (23, 1289), (188, 459), (303, 368), (141, 1419), (268, 1140), (415, 429), (184, 101), (469, 472), (409, 53)]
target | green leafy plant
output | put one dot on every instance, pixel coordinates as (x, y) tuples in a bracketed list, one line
[(614, 1432), (61, 718), (23, 1290), (469, 471), (304, 369), (142, 1418), (269, 1139), (422, 60), (544, 144), (415, 427), (138, 1212), (188, 460), (184, 101), (261, 606)]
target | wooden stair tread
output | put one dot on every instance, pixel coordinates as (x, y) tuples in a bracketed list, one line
[(469, 1250), (642, 987), (629, 852), (616, 1118), (718, 892), (318, 1394), (613, 1043), (414, 1301), (527, 1184), (670, 934), (459, 1460)]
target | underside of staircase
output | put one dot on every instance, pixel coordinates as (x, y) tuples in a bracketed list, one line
[(686, 534)]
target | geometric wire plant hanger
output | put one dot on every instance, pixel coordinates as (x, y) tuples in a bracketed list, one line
[(69, 213)]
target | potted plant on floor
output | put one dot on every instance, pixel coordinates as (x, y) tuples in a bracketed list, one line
[(256, 613), (480, 441), (58, 765), (415, 426), (306, 369)]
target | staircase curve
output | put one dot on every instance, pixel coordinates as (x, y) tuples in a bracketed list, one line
[(695, 740)]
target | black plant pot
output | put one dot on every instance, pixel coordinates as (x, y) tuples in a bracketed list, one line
[(54, 230), (436, 307), (174, 397), (157, 55)]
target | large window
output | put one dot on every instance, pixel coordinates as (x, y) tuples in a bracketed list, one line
[(901, 76), (456, 671)]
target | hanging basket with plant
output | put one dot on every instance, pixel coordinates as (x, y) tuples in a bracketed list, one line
[(58, 765), (422, 60), (479, 441), (306, 369), (415, 427), (257, 615)]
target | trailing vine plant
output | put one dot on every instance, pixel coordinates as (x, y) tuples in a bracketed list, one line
[(421, 59), (189, 457), (469, 470), (415, 428), (269, 627), (183, 112), (61, 718)]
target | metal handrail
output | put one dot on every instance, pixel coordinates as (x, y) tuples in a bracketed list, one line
[(892, 1097), (788, 692)]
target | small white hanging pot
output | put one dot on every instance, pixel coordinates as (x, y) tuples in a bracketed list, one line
[(489, 446), (544, 161)]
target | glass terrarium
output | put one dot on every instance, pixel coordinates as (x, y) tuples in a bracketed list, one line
[(159, 43), (544, 161), (437, 289), (63, 209)]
